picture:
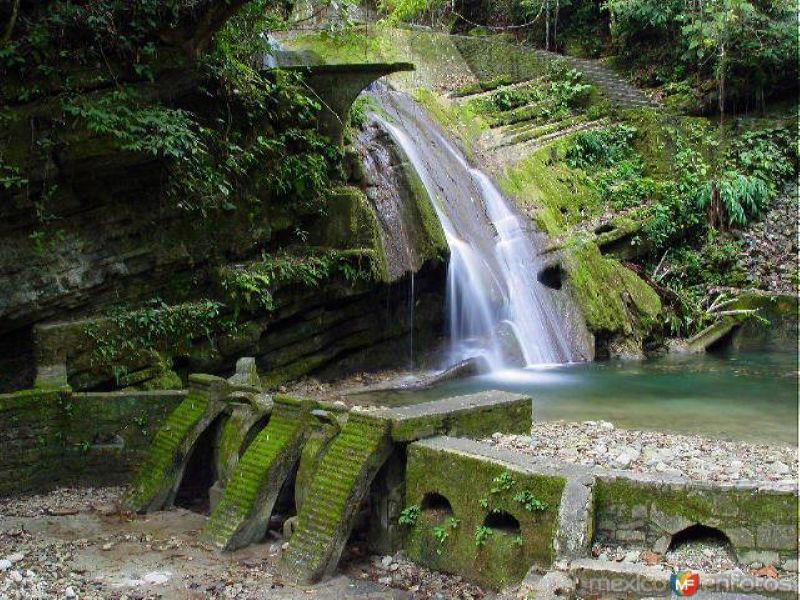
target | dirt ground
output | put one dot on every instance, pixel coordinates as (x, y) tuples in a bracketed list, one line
[(74, 544)]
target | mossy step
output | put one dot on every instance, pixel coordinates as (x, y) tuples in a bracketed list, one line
[(243, 513), (537, 132), (163, 459), (339, 485)]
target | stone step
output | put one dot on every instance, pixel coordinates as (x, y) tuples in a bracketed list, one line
[(339, 485), (243, 513), (156, 477)]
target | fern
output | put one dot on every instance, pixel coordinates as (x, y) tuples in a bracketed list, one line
[(741, 197)]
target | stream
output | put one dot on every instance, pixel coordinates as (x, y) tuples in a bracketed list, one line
[(749, 397)]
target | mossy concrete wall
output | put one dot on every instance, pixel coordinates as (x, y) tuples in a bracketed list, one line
[(57, 437), (490, 57), (476, 489), (646, 513), (583, 506)]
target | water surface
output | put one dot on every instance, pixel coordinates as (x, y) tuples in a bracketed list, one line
[(747, 397)]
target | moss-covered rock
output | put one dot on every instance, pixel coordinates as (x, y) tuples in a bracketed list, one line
[(619, 307)]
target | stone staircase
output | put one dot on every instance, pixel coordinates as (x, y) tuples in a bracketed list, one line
[(341, 482), (158, 478), (243, 513), (621, 93)]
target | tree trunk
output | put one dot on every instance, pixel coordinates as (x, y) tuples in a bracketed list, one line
[(547, 25), (11, 21)]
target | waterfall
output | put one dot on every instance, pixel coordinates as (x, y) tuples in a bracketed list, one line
[(496, 308)]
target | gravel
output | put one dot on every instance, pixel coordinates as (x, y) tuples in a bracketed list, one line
[(62, 501), (704, 555), (399, 572), (601, 444)]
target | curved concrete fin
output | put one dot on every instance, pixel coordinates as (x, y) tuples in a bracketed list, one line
[(160, 474), (243, 513), (340, 484)]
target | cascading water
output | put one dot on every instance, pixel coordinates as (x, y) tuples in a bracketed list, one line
[(496, 308)]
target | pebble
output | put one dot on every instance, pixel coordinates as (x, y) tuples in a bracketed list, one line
[(600, 444), (5, 564), (70, 593), (15, 558), (631, 556)]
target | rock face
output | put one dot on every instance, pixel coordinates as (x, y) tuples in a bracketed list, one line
[(115, 243)]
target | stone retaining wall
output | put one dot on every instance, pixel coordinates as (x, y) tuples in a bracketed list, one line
[(57, 437), (584, 506), (647, 512)]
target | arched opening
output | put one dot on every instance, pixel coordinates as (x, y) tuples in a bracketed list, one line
[(709, 539), (604, 228), (502, 522), (552, 277), (284, 508), (436, 507), (200, 472)]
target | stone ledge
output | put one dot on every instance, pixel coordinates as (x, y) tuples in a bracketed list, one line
[(474, 415)]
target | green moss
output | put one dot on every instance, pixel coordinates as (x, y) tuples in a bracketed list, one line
[(467, 483), (612, 298), (542, 182), (339, 485), (254, 485), (653, 141), (490, 57), (431, 240), (166, 380), (460, 120), (156, 474)]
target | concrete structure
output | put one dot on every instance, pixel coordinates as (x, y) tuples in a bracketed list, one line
[(418, 475), (337, 87)]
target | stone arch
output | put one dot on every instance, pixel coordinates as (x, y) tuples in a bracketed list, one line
[(199, 472), (338, 85), (436, 507), (699, 532), (502, 522)]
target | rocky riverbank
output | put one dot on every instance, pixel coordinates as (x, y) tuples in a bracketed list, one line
[(601, 444)]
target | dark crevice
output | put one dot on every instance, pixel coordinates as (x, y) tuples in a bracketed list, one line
[(436, 507), (699, 533), (604, 228), (551, 276)]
